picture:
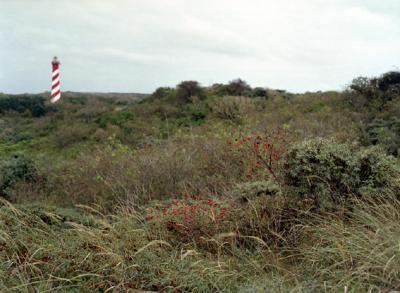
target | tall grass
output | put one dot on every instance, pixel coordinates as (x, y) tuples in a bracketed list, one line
[(60, 250), (360, 251)]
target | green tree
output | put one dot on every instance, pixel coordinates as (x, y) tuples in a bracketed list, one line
[(376, 92), (259, 92), (238, 87), (188, 90)]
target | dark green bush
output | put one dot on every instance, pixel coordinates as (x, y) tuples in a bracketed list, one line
[(218, 89), (383, 132), (389, 81), (238, 87), (38, 110), (189, 90), (375, 93), (259, 92), (250, 190), (22, 103), (328, 171), (163, 92), (15, 169), (115, 118), (198, 116)]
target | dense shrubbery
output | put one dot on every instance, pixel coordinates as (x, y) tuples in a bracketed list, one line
[(189, 91), (383, 132), (116, 118), (376, 92), (238, 87), (71, 134), (21, 103), (254, 189), (259, 92), (13, 170), (379, 98), (232, 108), (169, 195), (329, 172)]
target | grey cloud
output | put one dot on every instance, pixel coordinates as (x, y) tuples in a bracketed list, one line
[(131, 45)]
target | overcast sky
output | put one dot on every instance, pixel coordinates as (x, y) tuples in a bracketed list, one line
[(137, 46)]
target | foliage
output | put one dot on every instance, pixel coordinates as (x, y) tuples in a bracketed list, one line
[(328, 172), (21, 103), (188, 91), (384, 132), (254, 189), (114, 172), (68, 135), (14, 169), (259, 92), (162, 92), (232, 108), (118, 117), (192, 217), (238, 87), (377, 92), (263, 153), (389, 81)]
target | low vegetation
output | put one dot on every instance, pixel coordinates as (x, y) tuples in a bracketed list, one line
[(204, 189)]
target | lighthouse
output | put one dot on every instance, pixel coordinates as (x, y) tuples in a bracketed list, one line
[(55, 83)]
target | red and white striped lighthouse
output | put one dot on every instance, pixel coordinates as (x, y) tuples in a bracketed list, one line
[(55, 84)]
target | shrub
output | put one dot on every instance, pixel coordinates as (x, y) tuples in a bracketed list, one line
[(13, 170), (88, 114), (261, 156), (232, 108), (189, 90), (251, 190), (115, 118), (329, 171), (198, 115), (384, 132), (21, 103), (79, 100), (68, 135), (377, 171), (389, 81), (38, 110), (259, 92), (191, 217), (162, 92), (206, 221), (192, 115), (114, 172), (238, 87), (377, 92), (218, 89)]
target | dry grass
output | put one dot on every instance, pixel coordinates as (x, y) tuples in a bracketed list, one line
[(60, 250), (359, 251)]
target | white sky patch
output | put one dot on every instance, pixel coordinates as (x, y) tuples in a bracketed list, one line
[(136, 46)]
